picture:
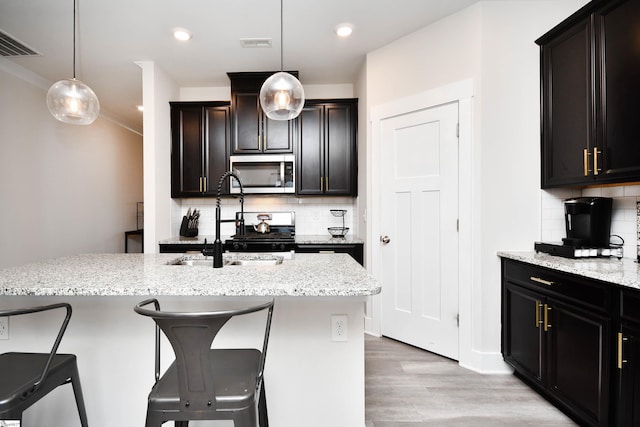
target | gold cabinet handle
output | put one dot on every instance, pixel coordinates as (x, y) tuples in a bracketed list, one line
[(326, 183), (595, 160), (201, 184), (544, 282), (205, 184), (538, 305), (621, 338), (547, 309), (321, 183), (586, 161)]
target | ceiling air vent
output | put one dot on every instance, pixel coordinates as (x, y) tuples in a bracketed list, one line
[(12, 47), (255, 42)]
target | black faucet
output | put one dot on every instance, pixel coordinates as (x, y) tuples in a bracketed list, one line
[(217, 244)]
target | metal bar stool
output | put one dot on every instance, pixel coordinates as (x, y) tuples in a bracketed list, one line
[(205, 383), (26, 378)]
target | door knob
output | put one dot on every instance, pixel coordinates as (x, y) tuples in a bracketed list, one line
[(385, 239)]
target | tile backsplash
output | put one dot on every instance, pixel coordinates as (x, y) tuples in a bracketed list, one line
[(625, 218), (312, 213)]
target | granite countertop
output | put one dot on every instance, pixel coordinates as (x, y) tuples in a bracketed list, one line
[(623, 272), (323, 239), (307, 275)]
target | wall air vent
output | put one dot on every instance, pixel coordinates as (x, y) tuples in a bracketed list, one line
[(9, 46), (255, 43)]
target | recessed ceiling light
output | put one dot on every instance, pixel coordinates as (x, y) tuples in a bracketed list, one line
[(344, 30), (182, 34)]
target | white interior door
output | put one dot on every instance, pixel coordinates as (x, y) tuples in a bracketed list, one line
[(419, 228)]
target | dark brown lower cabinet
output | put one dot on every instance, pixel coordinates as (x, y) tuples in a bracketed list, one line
[(627, 364), (356, 250), (628, 368), (578, 361), (557, 337)]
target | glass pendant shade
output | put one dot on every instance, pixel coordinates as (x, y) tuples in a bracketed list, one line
[(282, 96), (72, 101)]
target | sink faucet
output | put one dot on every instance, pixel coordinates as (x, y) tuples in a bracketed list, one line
[(217, 244)]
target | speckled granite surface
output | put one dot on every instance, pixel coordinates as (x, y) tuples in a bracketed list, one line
[(301, 239), (307, 275), (624, 272)]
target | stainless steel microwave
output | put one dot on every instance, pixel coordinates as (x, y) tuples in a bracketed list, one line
[(264, 174)]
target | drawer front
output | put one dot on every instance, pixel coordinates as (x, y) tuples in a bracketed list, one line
[(577, 289), (630, 305)]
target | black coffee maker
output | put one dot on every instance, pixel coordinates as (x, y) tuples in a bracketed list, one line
[(588, 222)]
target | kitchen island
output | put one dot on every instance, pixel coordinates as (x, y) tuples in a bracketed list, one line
[(310, 379)]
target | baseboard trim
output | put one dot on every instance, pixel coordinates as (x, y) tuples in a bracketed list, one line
[(485, 362)]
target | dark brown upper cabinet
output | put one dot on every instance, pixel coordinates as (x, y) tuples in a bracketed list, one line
[(326, 160), (590, 84), (200, 135), (252, 131)]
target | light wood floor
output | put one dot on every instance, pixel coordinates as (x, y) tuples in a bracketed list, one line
[(409, 387)]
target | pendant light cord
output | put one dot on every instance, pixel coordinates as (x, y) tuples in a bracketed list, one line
[(281, 38), (74, 39)]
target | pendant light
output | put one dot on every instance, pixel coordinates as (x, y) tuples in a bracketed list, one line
[(70, 100), (282, 95)]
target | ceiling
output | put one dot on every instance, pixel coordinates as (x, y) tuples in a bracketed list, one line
[(114, 34)]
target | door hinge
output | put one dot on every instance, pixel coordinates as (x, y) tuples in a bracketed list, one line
[(458, 130), (457, 224), (458, 319)]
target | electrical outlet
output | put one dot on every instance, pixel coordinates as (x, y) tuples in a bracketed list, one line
[(4, 328), (339, 329)]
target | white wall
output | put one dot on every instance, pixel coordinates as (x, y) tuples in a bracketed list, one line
[(491, 43), (157, 90), (64, 189), (510, 138)]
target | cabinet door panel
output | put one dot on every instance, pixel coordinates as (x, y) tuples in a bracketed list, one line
[(619, 41), (246, 115), (216, 157), (186, 151), (522, 336), (629, 376), (310, 157), (567, 100), (578, 361), (278, 135), (339, 163)]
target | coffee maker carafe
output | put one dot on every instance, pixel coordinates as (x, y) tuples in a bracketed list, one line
[(588, 222)]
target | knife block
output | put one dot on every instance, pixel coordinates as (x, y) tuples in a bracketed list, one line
[(185, 231)]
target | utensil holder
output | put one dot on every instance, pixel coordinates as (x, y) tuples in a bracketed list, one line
[(185, 231)]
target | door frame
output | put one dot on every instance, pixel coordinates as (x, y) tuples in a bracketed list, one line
[(461, 92)]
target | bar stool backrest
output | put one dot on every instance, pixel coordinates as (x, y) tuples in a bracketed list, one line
[(191, 335)]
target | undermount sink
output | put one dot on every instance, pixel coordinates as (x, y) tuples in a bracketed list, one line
[(203, 262), (229, 260)]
